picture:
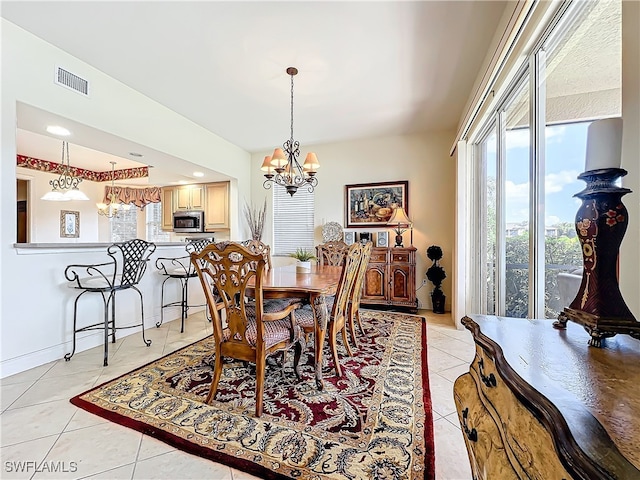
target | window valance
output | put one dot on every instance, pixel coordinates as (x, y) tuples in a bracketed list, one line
[(140, 197)]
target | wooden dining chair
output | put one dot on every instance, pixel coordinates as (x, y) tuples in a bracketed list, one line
[(257, 246), (356, 292), (338, 307), (331, 253), (252, 332)]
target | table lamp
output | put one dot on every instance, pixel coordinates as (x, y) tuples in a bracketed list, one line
[(400, 221)]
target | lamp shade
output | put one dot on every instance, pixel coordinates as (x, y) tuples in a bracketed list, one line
[(266, 165), (75, 194), (55, 196), (399, 217), (311, 163), (278, 159)]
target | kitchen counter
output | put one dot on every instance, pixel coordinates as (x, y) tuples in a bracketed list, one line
[(48, 248), (84, 245)]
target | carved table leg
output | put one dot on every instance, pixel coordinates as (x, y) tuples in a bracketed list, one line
[(321, 317)]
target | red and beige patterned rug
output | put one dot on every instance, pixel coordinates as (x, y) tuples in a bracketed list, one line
[(375, 422)]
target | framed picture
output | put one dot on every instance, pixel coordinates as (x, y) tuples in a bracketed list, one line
[(349, 238), (382, 239), (69, 224), (365, 237), (371, 204)]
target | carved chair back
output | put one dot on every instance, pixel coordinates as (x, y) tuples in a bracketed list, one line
[(257, 246), (345, 286), (331, 253)]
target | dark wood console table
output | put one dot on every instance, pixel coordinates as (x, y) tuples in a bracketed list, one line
[(539, 403), (390, 279)]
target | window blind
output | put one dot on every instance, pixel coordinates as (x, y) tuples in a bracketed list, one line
[(125, 226), (154, 224), (293, 222)]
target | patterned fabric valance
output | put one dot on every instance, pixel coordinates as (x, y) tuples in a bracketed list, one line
[(57, 168), (140, 197)]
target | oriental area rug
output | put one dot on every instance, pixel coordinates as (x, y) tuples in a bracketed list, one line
[(375, 422)]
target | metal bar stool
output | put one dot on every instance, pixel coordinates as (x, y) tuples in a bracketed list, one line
[(124, 271), (182, 269)]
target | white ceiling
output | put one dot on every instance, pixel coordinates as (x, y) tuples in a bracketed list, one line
[(366, 68)]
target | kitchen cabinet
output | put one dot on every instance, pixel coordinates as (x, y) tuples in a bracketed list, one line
[(167, 207), (390, 279), (189, 197), (213, 198), (216, 210)]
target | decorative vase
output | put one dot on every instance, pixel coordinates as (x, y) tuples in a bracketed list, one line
[(303, 267), (437, 299)]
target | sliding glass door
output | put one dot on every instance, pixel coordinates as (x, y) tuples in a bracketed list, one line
[(529, 156)]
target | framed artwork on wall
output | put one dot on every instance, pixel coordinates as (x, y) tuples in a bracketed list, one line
[(69, 224), (371, 204), (382, 239)]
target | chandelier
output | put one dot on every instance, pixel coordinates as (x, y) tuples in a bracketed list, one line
[(114, 207), (282, 167), (65, 187)]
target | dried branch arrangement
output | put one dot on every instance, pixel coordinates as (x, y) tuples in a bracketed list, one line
[(255, 218)]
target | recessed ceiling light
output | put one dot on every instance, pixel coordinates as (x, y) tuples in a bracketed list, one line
[(198, 174), (135, 154), (58, 130)]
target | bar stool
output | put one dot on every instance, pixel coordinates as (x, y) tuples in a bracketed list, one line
[(124, 271), (182, 269)]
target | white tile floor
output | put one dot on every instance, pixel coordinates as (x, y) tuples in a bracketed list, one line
[(39, 424)]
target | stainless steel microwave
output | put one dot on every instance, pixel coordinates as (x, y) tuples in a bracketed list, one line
[(188, 221)]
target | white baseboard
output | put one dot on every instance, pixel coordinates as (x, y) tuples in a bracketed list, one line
[(19, 364)]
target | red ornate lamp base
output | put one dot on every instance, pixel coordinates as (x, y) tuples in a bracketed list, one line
[(601, 223)]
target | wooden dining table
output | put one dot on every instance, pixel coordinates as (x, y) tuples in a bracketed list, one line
[(315, 286)]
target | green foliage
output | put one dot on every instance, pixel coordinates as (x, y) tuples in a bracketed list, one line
[(434, 252), (303, 255), (561, 254), (436, 274)]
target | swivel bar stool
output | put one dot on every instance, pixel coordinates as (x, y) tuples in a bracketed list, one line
[(182, 269), (124, 271)]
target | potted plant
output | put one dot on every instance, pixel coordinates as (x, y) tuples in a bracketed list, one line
[(436, 275), (304, 258)]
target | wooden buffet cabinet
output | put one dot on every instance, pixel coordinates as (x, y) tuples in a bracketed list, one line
[(539, 403), (390, 279), (213, 198)]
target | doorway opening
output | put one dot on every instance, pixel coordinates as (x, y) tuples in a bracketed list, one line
[(22, 210)]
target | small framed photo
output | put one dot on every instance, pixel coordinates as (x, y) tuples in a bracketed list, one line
[(365, 237), (349, 238), (69, 224), (382, 239)]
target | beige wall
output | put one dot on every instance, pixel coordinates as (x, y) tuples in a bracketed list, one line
[(630, 250), (423, 160)]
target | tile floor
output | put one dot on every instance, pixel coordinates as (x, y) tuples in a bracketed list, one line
[(38, 422)]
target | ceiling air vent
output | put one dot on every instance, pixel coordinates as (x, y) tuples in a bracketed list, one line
[(74, 82)]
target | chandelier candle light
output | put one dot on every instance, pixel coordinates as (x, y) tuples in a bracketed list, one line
[(114, 207), (401, 222), (282, 167), (65, 187)]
